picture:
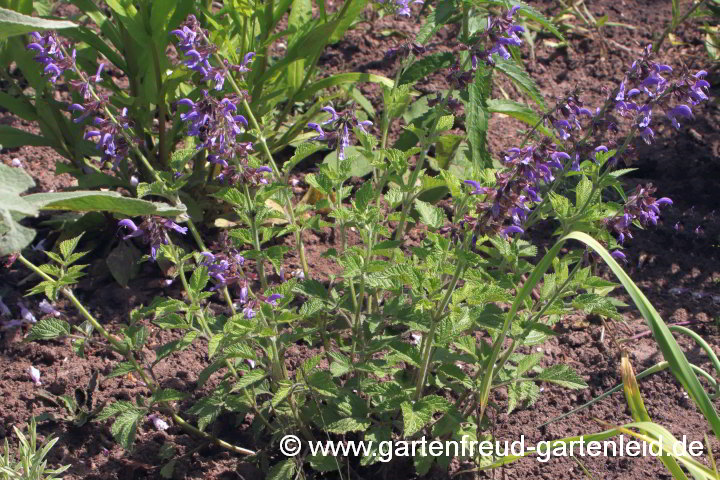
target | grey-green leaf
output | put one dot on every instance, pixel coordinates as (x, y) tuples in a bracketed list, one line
[(14, 23)]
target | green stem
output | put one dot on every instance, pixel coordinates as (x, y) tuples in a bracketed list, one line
[(428, 339), (255, 237), (163, 158), (408, 196), (123, 349)]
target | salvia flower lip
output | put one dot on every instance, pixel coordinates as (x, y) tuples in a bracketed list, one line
[(152, 231), (339, 126), (50, 55)]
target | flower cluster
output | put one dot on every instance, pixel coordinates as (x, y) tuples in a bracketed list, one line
[(153, 231), (642, 207), (646, 81), (338, 126), (250, 306), (108, 132), (225, 270), (198, 50), (50, 54), (501, 32), (515, 189), (216, 124)]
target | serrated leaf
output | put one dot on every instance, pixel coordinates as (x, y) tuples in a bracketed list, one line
[(527, 363), (167, 395), (364, 196), (582, 192), (124, 428), (250, 378), (199, 279), (426, 65), (522, 393), (478, 116), (302, 151), (562, 375), (121, 369), (430, 215), (49, 328), (521, 79), (284, 470), (416, 416), (349, 424)]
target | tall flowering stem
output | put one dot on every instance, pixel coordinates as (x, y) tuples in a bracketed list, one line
[(276, 171)]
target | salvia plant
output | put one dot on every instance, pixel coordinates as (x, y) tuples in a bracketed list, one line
[(412, 337)]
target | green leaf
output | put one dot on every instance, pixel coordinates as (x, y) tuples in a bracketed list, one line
[(13, 236), (341, 79), (519, 111), (477, 117), (562, 375), (527, 363), (124, 263), (349, 424), (302, 151), (124, 428), (49, 328), (92, 201), (521, 79), (14, 23), (67, 247), (425, 66), (199, 279), (14, 180), (360, 165), (430, 215), (284, 470), (250, 378), (207, 410), (11, 137), (522, 393), (582, 192), (364, 196), (121, 369), (416, 416), (167, 395)]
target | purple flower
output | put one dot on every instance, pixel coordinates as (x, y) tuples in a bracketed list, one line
[(679, 111), (35, 376), (272, 299), (510, 230), (26, 314), (339, 126), (562, 127), (152, 231), (618, 255), (647, 135), (477, 188), (645, 115), (49, 54), (216, 125), (48, 309), (158, 422)]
